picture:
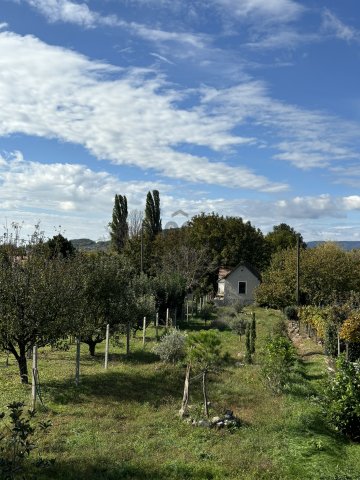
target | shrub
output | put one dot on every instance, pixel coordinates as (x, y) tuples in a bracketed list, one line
[(222, 324), (341, 398), (278, 359), (171, 347), (291, 312), (17, 440), (207, 311), (238, 325)]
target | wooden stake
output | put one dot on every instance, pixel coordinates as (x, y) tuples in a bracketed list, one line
[(77, 369), (144, 330), (167, 318), (127, 338), (184, 404), (157, 326), (107, 339), (34, 377)]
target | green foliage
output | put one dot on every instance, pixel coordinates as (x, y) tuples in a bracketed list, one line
[(171, 347), (283, 237), (60, 246), (207, 312), (37, 298), (291, 312), (326, 272), (341, 398), (204, 350), (277, 362), (238, 325), (169, 290), (331, 339), (152, 221), (119, 229), (18, 440)]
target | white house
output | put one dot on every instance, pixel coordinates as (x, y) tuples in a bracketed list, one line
[(237, 284)]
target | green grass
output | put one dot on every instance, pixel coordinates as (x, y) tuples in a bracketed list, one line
[(122, 423)]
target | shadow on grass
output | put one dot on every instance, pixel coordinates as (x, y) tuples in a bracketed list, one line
[(138, 357), (175, 470), (150, 387)]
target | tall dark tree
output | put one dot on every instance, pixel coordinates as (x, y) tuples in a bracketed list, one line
[(119, 229), (282, 237), (152, 222), (60, 246)]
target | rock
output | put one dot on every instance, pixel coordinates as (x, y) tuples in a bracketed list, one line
[(203, 423), (229, 415), (215, 419), (220, 424)]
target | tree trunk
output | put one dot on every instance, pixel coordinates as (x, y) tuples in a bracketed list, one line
[(92, 346), (21, 359), (206, 408)]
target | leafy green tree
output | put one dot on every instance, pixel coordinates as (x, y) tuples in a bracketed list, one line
[(169, 291), (282, 237), (60, 246), (103, 282), (341, 398), (204, 353), (252, 335), (227, 241), (152, 221), (36, 303), (119, 230), (327, 273), (248, 357)]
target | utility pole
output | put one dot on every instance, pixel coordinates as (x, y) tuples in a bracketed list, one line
[(298, 270), (142, 249)]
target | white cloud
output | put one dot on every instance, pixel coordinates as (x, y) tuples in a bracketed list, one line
[(333, 25), (71, 12), (70, 195), (127, 117), (274, 11), (306, 138), (3, 25), (283, 39)]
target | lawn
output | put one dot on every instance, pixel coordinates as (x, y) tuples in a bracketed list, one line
[(123, 424)]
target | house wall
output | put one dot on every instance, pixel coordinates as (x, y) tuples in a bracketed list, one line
[(241, 274)]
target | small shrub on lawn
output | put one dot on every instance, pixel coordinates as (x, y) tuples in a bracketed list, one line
[(18, 440), (171, 347), (278, 360), (341, 398), (222, 324)]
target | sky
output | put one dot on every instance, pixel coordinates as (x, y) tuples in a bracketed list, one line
[(248, 108)]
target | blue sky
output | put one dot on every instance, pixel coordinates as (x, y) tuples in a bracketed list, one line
[(243, 107)]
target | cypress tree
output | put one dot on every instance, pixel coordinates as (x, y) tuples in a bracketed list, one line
[(119, 229), (152, 220)]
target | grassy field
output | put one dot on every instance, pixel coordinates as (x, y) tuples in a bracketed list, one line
[(122, 423)]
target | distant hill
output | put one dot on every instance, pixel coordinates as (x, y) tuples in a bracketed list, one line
[(345, 244), (87, 245)]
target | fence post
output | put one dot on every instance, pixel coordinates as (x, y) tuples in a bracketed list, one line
[(107, 346), (77, 369), (144, 330), (157, 326), (34, 377), (167, 318)]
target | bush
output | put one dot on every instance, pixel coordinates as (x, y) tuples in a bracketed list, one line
[(291, 313), (18, 440), (278, 359), (207, 311), (238, 326), (341, 398), (171, 347), (222, 324)]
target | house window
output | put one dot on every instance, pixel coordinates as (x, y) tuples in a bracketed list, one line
[(242, 287)]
